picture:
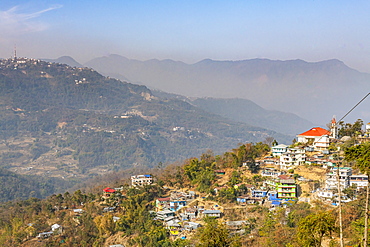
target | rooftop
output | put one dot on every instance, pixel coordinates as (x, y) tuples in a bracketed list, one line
[(316, 131)]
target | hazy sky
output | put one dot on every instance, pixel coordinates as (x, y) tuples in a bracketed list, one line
[(189, 30)]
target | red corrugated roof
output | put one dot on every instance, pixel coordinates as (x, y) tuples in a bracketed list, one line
[(317, 131), (109, 190), (284, 177), (164, 199)]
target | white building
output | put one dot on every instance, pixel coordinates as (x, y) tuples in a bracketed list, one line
[(140, 180), (317, 137), (325, 194), (292, 157), (361, 181), (331, 182), (271, 172), (279, 149)]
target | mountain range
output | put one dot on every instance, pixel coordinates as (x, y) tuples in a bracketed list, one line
[(236, 109), (313, 90), (246, 111)]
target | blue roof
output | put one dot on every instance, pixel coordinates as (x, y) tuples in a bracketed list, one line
[(147, 176), (276, 202)]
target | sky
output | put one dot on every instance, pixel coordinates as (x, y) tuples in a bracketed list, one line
[(188, 31)]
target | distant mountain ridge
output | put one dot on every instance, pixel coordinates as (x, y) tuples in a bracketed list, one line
[(64, 60), (240, 110), (246, 111), (313, 90)]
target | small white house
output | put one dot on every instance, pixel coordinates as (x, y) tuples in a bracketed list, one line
[(325, 194), (279, 149), (56, 227), (361, 181), (141, 180), (212, 213)]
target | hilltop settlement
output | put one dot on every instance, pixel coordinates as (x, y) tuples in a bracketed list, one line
[(259, 194), (313, 191)]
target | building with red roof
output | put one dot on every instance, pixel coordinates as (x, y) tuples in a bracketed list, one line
[(317, 137), (108, 191)]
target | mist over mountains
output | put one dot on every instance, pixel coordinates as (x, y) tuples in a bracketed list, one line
[(313, 90), (246, 111)]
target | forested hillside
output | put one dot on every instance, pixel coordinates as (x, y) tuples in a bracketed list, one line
[(128, 215), (72, 123)]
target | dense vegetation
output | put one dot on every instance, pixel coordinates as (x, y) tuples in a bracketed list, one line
[(16, 186), (297, 224)]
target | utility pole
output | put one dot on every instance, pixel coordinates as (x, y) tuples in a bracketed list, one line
[(340, 208)]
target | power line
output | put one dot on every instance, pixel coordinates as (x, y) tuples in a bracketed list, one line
[(354, 107), (347, 114)]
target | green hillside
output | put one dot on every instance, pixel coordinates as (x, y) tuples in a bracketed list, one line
[(64, 122)]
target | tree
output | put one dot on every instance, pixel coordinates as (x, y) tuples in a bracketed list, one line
[(214, 234), (105, 225), (361, 155), (351, 191), (274, 143), (347, 129), (313, 228)]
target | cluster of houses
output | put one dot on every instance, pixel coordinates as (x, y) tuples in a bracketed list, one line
[(277, 190), (340, 178), (317, 141), (176, 214)]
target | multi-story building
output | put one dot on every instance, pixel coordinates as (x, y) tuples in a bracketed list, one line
[(140, 180), (286, 187), (332, 179), (279, 149), (317, 137), (292, 157), (361, 181)]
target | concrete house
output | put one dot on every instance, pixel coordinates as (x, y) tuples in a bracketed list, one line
[(212, 213), (190, 226), (162, 203), (141, 180), (279, 149), (317, 137), (164, 214), (259, 193), (292, 157), (107, 192), (331, 182), (361, 181), (286, 187)]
